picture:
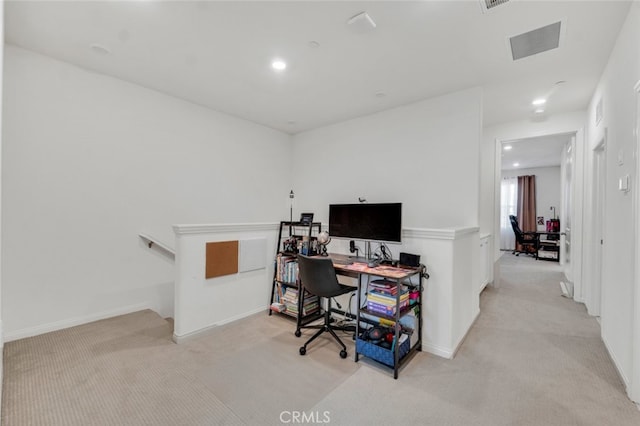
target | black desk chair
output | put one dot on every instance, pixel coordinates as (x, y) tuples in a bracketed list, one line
[(318, 277), (525, 239)]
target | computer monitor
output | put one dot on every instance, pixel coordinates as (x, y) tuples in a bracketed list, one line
[(369, 222)]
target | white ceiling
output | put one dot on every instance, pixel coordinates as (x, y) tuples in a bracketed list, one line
[(218, 54), (543, 151)]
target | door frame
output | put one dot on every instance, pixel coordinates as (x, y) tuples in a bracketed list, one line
[(599, 196), (634, 387)]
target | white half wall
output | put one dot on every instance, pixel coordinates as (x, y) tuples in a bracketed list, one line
[(451, 301), (450, 296), (89, 162), (202, 303)]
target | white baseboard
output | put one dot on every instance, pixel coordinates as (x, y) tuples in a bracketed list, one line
[(624, 378), (72, 322), (442, 352), (196, 333)]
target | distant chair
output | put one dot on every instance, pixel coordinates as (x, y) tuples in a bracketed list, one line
[(526, 240), (318, 277)]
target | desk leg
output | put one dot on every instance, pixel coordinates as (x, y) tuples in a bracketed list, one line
[(358, 314)]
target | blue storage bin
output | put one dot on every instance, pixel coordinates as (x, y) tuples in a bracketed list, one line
[(380, 354)]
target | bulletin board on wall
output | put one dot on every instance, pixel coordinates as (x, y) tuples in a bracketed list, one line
[(221, 259)]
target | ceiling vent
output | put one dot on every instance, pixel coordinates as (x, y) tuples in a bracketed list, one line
[(490, 4), (536, 41)]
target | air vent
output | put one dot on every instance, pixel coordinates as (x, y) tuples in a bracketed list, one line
[(490, 4), (536, 41)]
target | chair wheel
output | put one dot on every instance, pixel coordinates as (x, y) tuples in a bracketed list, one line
[(302, 350), (343, 353), (298, 333)]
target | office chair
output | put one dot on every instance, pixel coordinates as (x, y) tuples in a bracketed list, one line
[(318, 277), (525, 239)]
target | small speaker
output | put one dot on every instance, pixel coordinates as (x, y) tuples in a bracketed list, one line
[(408, 259)]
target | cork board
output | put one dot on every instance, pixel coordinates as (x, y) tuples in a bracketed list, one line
[(221, 259)]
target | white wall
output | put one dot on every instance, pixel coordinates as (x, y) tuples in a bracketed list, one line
[(88, 163), (1, 84), (425, 155), (547, 188), (616, 89)]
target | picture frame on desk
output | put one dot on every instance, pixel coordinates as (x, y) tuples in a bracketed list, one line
[(306, 218)]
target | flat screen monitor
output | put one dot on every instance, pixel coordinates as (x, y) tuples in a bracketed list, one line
[(369, 222)]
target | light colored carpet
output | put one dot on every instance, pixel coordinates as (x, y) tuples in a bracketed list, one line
[(532, 358)]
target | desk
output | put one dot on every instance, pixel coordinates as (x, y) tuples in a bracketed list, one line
[(399, 275), (548, 249)]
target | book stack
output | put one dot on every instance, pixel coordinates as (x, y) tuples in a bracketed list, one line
[(311, 303), (286, 269), (382, 296)]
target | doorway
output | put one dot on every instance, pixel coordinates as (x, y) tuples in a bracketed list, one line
[(544, 157)]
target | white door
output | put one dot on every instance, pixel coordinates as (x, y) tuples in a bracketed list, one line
[(566, 211)]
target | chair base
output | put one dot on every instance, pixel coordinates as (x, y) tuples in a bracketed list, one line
[(325, 329)]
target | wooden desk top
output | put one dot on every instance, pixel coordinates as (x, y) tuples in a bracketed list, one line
[(360, 267)]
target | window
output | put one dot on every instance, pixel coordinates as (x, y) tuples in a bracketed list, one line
[(508, 206)]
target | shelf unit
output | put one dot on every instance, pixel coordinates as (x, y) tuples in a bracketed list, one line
[(549, 246), (294, 238), (400, 351)]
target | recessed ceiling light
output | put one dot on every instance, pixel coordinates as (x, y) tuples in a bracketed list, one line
[(516, 164), (539, 101), (380, 94), (314, 44), (538, 110), (279, 65), (507, 147)]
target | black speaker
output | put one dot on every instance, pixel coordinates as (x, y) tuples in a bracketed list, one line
[(408, 259), (352, 246)]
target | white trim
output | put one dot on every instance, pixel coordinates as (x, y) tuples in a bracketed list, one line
[(423, 233), (219, 228), (442, 352), (438, 234), (72, 322), (204, 330)]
